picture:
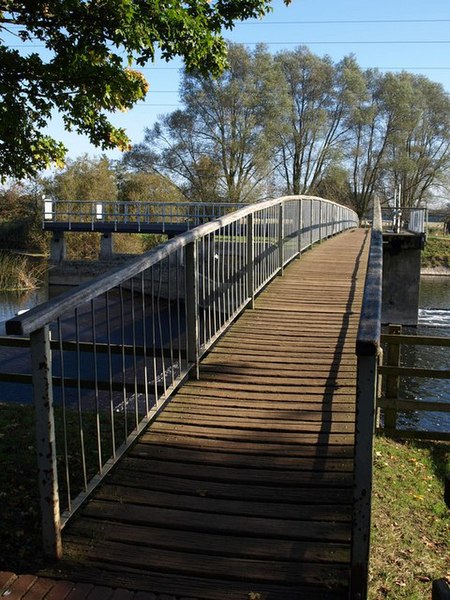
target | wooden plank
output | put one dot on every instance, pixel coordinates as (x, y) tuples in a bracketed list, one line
[(415, 372), (207, 504), (239, 475), (416, 340), (199, 456), (316, 438), (182, 563), (274, 528), (223, 545), (186, 484), (296, 449)]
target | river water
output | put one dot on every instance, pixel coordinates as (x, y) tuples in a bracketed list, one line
[(434, 320)]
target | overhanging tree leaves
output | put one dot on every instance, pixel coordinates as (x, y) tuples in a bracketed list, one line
[(86, 71)]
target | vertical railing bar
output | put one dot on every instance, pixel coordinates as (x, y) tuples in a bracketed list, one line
[(169, 307), (64, 414), (79, 404), (250, 260), (204, 284), (133, 334), (124, 372), (144, 343), (214, 285), (177, 287), (110, 373), (160, 330), (192, 306), (97, 404), (208, 272), (154, 361)]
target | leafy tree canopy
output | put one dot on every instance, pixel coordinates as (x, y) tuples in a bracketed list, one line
[(86, 71)]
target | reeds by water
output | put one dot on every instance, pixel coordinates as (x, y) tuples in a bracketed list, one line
[(19, 273)]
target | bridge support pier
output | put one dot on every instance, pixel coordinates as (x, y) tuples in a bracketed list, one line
[(58, 247), (106, 246), (401, 277)]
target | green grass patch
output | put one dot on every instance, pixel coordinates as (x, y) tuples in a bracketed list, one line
[(436, 252), (410, 521)]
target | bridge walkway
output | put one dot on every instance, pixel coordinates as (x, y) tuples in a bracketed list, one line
[(242, 487)]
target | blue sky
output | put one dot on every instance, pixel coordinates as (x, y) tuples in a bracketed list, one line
[(392, 35)]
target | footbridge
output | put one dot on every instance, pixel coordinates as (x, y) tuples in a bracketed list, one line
[(204, 423)]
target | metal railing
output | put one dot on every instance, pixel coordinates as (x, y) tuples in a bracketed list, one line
[(108, 355), (139, 214), (368, 352), (412, 220)]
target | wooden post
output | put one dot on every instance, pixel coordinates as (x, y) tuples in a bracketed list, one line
[(192, 325), (250, 260), (311, 224), (362, 487), (392, 381), (281, 239), (41, 361)]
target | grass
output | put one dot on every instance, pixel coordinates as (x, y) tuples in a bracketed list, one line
[(410, 530), (436, 252), (18, 273), (410, 521)]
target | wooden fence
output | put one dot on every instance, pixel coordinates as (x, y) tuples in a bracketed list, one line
[(391, 370)]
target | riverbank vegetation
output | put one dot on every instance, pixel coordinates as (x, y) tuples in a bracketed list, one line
[(436, 252), (19, 273), (410, 520)]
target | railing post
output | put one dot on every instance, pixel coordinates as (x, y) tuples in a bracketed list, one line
[(45, 441), (392, 381), (320, 221), (192, 300), (311, 224), (300, 227), (362, 487), (250, 260), (281, 238)]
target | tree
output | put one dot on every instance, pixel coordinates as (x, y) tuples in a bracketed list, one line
[(371, 125), (219, 146), (418, 152), (147, 187), (321, 95), (83, 73), (84, 179)]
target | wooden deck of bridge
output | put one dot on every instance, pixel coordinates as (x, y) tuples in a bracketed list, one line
[(243, 484)]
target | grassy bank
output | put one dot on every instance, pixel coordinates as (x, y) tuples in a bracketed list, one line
[(436, 252), (410, 520)]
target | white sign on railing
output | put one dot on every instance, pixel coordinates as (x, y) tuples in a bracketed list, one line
[(48, 210), (99, 211)]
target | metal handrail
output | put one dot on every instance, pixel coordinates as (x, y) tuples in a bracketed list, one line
[(367, 351), (139, 213), (412, 220), (113, 350)]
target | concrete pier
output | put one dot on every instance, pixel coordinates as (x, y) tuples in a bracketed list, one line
[(401, 277)]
